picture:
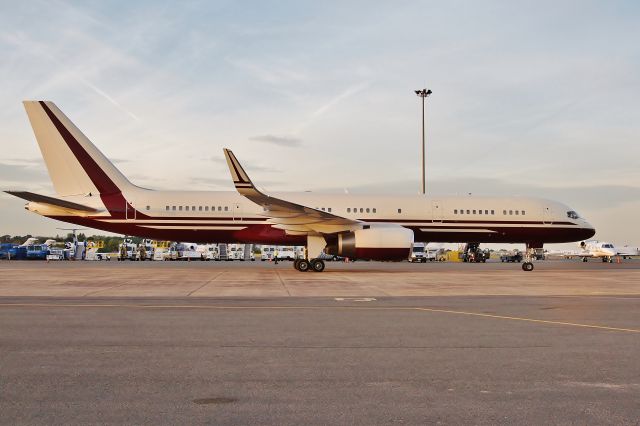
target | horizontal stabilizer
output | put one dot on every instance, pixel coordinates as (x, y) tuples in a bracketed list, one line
[(37, 198)]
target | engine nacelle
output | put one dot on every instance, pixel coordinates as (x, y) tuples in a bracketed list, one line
[(373, 242)]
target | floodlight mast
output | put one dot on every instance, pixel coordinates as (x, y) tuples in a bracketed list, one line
[(423, 93)]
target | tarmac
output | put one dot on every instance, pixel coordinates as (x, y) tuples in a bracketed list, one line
[(362, 343)]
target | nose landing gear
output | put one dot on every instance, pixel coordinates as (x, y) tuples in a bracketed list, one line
[(527, 266), (529, 255)]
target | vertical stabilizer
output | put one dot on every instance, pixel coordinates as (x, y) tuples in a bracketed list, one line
[(75, 165)]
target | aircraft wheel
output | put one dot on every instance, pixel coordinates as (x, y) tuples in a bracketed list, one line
[(295, 263), (527, 266), (584, 259), (303, 265), (317, 265)]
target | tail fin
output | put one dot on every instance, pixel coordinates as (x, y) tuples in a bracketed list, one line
[(75, 165)]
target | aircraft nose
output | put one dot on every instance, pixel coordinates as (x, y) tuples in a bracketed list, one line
[(586, 231)]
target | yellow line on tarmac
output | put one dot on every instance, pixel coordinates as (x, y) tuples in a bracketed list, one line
[(360, 308), (573, 324)]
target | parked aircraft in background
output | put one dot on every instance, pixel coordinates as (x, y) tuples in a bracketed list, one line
[(92, 192), (628, 251), (596, 249), (29, 241)]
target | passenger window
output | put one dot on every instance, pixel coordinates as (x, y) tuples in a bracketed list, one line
[(219, 208), (504, 212), (323, 209), (193, 208), (517, 212), (173, 208), (455, 211), (167, 208), (148, 207), (348, 209), (374, 209), (486, 212), (522, 212), (329, 209), (474, 212), (226, 208), (361, 210), (180, 208), (399, 210), (199, 208), (367, 210), (493, 212), (510, 212), (479, 211), (206, 208)]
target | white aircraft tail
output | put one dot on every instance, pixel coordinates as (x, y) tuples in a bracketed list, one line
[(75, 165)]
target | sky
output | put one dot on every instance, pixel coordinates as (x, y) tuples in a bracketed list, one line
[(531, 98)]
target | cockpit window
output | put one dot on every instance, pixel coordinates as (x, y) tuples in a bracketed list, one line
[(607, 246), (572, 215)]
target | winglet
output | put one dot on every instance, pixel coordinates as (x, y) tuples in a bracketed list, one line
[(240, 178)]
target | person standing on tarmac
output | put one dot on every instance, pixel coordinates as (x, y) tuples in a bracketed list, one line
[(275, 257)]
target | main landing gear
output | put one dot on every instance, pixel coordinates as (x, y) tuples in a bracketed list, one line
[(304, 265)]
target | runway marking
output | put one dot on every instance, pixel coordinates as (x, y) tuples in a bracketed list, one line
[(355, 299), (282, 282), (573, 324), (206, 283), (362, 308)]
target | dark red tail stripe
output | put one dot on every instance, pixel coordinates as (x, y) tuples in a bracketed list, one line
[(110, 194), (99, 178), (235, 168)]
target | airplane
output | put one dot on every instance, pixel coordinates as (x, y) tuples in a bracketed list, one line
[(29, 242), (92, 192), (627, 251), (597, 249)]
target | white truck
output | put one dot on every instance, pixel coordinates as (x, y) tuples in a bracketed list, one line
[(235, 252), (283, 253), (127, 250), (422, 253), (187, 251), (208, 251)]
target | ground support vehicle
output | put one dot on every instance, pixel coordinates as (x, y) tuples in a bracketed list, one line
[(512, 256), (473, 254)]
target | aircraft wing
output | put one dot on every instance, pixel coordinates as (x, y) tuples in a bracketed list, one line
[(56, 202), (292, 217)]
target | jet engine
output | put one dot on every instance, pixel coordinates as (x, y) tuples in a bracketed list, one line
[(372, 242)]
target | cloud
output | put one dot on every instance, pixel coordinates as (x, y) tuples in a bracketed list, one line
[(21, 172), (287, 141), (349, 92)]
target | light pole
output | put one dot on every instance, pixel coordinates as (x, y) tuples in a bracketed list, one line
[(423, 94)]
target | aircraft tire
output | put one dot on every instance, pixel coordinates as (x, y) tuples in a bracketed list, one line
[(527, 266), (303, 265), (317, 265)]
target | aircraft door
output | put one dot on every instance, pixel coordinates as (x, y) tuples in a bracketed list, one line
[(436, 211), (129, 211), (237, 212), (547, 215)]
